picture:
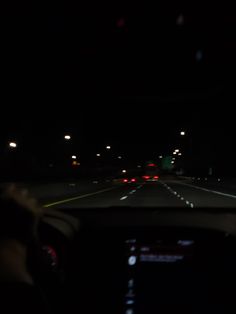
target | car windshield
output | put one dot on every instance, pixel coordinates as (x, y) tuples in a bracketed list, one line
[(120, 104)]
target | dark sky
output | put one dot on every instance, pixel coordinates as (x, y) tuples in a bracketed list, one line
[(164, 50), (122, 72)]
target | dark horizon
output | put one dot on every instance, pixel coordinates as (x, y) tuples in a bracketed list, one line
[(123, 74)]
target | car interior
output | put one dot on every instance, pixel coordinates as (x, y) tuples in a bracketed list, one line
[(156, 261)]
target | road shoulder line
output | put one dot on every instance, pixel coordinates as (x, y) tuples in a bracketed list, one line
[(208, 190)]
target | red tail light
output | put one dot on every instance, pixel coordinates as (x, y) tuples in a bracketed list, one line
[(133, 180), (125, 180), (156, 177), (146, 177)]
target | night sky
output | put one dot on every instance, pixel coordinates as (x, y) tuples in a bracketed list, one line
[(123, 73)]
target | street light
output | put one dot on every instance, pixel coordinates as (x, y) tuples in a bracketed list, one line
[(160, 156), (124, 171), (119, 157), (108, 147), (179, 154), (74, 157), (12, 145), (174, 153), (67, 137), (177, 150), (182, 133), (98, 155)]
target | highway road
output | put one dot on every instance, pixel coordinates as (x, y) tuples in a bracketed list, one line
[(186, 193)]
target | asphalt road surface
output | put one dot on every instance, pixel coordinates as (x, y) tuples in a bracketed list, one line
[(164, 193)]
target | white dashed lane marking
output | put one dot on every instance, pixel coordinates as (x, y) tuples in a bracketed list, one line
[(188, 203), (140, 186), (131, 193)]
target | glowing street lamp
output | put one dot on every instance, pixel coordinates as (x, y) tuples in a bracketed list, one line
[(13, 145), (67, 137)]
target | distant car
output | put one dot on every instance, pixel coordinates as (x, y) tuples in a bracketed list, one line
[(149, 178), (151, 173), (125, 180), (128, 180)]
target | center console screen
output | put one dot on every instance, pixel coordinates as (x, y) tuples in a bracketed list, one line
[(160, 276)]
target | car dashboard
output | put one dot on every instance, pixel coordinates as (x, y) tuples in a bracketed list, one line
[(148, 262)]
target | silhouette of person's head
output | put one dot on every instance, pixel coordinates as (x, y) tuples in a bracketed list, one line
[(19, 215)]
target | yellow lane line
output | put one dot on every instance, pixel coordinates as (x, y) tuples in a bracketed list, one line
[(78, 197)]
